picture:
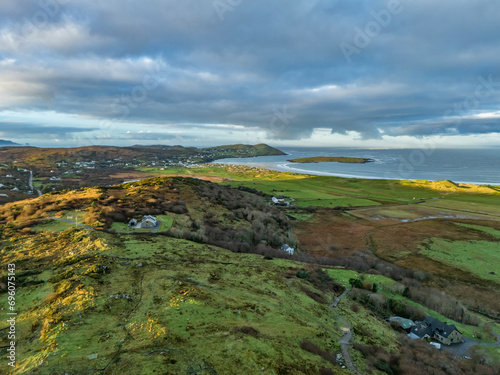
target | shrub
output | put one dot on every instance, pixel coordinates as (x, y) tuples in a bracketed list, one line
[(302, 274), (247, 331), (52, 297), (354, 307), (313, 295), (308, 346), (356, 283), (326, 371)]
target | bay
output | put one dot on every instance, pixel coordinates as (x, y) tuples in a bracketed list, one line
[(469, 165)]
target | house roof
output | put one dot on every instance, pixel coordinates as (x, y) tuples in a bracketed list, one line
[(404, 323), (422, 331), (149, 217), (439, 327)]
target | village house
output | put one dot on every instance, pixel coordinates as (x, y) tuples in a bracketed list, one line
[(435, 329), (287, 248), (280, 201), (148, 221)]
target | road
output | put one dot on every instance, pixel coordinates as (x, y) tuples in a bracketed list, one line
[(463, 349), (345, 341), (30, 183)]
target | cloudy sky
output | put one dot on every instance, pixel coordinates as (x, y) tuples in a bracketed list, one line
[(205, 72)]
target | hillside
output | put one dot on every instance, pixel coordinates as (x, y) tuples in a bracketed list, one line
[(4, 142), (210, 292), (35, 157), (56, 169)]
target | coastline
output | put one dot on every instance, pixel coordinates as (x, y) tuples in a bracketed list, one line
[(284, 167), (466, 166)]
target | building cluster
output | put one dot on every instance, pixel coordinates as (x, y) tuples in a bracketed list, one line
[(148, 222), (431, 329)]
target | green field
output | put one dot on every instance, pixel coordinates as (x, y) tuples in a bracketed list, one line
[(166, 224), (141, 302), (328, 191), (220, 310), (482, 258)]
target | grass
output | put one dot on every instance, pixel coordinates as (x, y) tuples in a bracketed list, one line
[(478, 257), (187, 310), (188, 301), (343, 276), (166, 224), (482, 228), (75, 216), (490, 355), (54, 225), (300, 215), (466, 330), (328, 191), (58, 225)]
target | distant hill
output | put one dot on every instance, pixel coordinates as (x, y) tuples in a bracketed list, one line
[(44, 157), (4, 142)]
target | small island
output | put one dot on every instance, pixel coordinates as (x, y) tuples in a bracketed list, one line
[(334, 159)]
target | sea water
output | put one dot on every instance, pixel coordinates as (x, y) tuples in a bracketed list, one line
[(471, 166)]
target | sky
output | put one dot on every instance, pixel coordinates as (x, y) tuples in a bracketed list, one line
[(288, 73)]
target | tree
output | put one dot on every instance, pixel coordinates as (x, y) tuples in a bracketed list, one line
[(356, 283), (406, 292)]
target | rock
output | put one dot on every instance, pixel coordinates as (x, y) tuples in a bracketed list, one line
[(93, 356)]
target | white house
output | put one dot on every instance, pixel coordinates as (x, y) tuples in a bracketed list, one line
[(148, 221), (287, 248)]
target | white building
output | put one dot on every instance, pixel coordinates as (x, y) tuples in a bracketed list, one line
[(287, 248)]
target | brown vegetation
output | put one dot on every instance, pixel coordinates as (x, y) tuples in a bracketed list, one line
[(418, 358)]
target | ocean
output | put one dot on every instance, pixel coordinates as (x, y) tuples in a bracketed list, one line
[(470, 166)]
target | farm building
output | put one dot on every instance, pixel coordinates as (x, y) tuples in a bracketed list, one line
[(287, 248), (434, 328), (148, 221), (405, 324)]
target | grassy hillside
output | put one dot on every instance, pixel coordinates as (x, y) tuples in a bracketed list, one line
[(46, 157), (162, 305), (211, 293)]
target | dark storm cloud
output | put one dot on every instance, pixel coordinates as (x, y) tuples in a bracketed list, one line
[(374, 67)]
